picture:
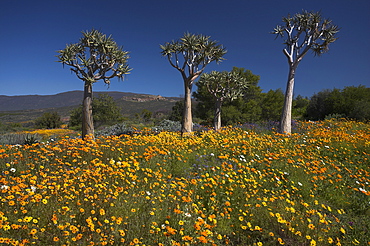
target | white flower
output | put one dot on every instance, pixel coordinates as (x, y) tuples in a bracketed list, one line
[(299, 183), (362, 190), (212, 154), (242, 158), (13, 170), (148, 193), (187, 214), (277, 178), (4, 187), (33, 188)]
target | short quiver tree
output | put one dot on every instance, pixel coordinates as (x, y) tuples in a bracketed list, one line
[(223, 86), (190, 55), (304, 31), (95, 57)]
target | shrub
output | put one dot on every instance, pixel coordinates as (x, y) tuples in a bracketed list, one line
[(49, 120), (117, 129), (168, 125)]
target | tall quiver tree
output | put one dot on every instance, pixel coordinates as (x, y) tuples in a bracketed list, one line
[(190, 55), (304, 31), (223, 86), (95, 57)]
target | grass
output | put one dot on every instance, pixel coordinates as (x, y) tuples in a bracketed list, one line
[(233, 187)]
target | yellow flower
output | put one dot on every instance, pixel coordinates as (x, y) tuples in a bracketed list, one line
[(342, 230), (122, 233), (313, 243), (281, 241)]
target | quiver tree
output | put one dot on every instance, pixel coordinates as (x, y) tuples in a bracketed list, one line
[(303, 32), (223, 86), (95, 57), (190, 55)]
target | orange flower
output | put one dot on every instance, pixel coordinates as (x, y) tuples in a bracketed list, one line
[(203, 239), (187, 238)]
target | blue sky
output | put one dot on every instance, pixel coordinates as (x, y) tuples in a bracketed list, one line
[(32, 31)]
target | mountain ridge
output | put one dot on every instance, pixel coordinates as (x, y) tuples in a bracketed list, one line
[(66, 99)]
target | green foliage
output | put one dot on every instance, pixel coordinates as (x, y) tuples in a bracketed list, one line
[(145, 115), (299, 106), (272, 104), (49, 120), (105, 112), (177, 111), (351, 102)]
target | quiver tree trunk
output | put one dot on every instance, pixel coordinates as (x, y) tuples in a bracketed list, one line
[(87, 117), (286, 116), (217, 117), (187, 120)]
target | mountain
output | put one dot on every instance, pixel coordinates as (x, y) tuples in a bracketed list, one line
[(29, 107), (65, 99)]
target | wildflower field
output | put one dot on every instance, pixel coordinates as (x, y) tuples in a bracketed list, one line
[(233, 187)]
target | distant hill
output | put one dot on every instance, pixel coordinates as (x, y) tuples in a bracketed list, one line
[(27, 108), (65, 99)]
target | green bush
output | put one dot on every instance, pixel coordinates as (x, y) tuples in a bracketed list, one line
[(49, 120)]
